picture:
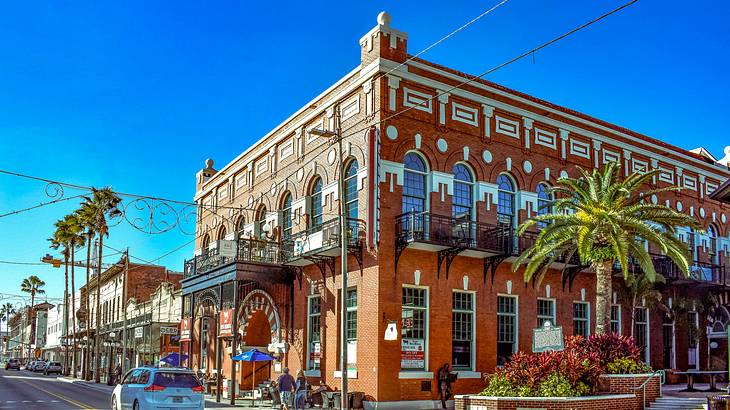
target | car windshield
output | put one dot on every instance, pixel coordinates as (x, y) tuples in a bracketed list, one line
[(55, 364), (171, 379)]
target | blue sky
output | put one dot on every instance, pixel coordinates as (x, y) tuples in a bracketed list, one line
[(136, 95)]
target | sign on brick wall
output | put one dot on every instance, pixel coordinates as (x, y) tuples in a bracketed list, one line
[(226, 323)]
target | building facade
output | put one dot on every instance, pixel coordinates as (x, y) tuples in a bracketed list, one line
[(54, 349), (439, 168), (154, 325)]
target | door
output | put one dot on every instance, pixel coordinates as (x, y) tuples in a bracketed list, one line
[(128, 393)]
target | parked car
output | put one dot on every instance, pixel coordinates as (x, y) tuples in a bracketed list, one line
[(52, 367), (12, 364), (39, 366), (29, 365), (157, 388)]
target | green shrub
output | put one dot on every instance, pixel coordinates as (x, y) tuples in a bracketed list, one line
[(557, 385), (626, 365)]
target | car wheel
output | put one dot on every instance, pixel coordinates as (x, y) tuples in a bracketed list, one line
[(136, 405), (114, 403)]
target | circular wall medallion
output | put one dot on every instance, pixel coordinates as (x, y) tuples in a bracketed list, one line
[(391, 132), (331, 157), (442, 145), (654, 199), (527, 166), (723, 218), (702, 212), (679, 206), (487, 156), (300, 174), (563, 174)]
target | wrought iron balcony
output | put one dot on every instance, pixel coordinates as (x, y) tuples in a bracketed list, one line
[(321, 244), (247, 250), (449, 237), (699, 272)]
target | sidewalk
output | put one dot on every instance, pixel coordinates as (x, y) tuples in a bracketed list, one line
[(90, 384)]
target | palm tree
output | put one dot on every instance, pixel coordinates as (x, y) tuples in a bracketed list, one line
[(61, 240), (33, 285), (6, 312), (605, 220), (638, 291), (85, 215), (102, 204)]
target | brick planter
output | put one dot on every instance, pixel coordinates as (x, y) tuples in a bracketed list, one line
[(617, 392)]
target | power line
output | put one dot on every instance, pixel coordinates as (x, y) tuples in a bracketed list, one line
[(42, 204), (491, 70)]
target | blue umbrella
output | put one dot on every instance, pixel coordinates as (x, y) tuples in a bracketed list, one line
[(174, 359), (253, 355)]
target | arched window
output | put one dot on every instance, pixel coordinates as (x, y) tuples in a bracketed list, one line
[(261, 222), (463, 200), (712, 234), (286, 216), (506, 213), (544, 202), (240, 224), (222, 233), (315, 203), (206, 242), (414, 184), (351, 209)]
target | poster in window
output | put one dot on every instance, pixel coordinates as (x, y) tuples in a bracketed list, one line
[(225, 323), (315, 353), (412, 354), (185, 330)]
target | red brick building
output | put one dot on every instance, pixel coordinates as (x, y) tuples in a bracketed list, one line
[(436, 178)]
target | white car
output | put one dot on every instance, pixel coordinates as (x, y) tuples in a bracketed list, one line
[(39, 366), (145, 388), (52, 367)]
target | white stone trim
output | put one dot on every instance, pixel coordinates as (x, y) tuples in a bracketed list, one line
[(467, 374), (351, 374), (350, 108), (580, 148), (507, 127), (415, 375), (546, 138), (465, 114), (417, 100)]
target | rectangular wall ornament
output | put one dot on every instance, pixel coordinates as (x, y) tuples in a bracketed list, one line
[(547, 338)]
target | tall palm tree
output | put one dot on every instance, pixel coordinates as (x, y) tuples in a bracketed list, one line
[(638, 291), (85, 215), (102, 204), (33, 285), (605, 220), (6, 312), (61, 240)]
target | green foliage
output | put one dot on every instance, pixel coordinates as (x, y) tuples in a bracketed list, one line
[(627, 365), (557, 385)]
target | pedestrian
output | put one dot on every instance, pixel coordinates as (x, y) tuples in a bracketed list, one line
[(300, 391), (117, 374), (445, 378), (285, 386)]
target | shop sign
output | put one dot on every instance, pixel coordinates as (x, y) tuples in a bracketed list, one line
[(138, 332), (185, 329), (412, 354), (168, 330), (226, 323), (547, 338)]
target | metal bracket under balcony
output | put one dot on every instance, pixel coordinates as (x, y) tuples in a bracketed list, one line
[(490, 266), (322, 262), (569, 274), (447, 255)]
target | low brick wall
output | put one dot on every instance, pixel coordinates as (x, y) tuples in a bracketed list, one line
[(628, 383), (610, 401)]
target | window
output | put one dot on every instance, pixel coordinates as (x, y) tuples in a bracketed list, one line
[(581, 319), (641, 330), (463, 199), (205, 243), (668, 339), (505, 200), (414, 184), (545, 311), (261, 222), (414, 325), (351, 317), (544, 203), (315, 203), (222, 233), (240, 224), (462, 330), (693, 353), (314, 332), (616, 319), (286, 217), (506, 328), (351, 209), (712, 251)]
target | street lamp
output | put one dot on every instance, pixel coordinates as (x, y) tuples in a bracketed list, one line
[(344, 402), (112, 346)]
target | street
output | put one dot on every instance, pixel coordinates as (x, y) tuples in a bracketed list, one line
[(27, 390)]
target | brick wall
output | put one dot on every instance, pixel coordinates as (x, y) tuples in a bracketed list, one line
[(614, 402)]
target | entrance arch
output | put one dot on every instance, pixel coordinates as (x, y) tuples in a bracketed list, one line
[(259, 301)]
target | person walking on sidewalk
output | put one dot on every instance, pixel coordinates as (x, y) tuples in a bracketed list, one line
[(445, 378), (286, 387), (300, 391)]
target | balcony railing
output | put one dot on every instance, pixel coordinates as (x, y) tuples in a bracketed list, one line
[(323, 238), (246, 250), (698, 271), (449, 232)]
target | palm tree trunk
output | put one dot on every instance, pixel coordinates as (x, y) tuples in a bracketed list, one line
[(604, 291), (88, 309), (65, 316), (73, 312), (97, 340)]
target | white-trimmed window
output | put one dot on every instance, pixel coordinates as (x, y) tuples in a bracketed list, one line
[(314, 332), (544, 203), (315, 203), (204, 343), (693, 353), (414, 184), (616, 319), (286, 225), (462, 331), (545, 311), (641, 330), (414, 329), (506, 209), (581, 319), (351, 316), (668, 355), (462, 202), (507, 321)]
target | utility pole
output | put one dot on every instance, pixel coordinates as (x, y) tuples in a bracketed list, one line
[(124, 311)]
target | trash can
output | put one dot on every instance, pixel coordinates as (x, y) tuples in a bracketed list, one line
[(719, 402), (337, 400), (356, 399)]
